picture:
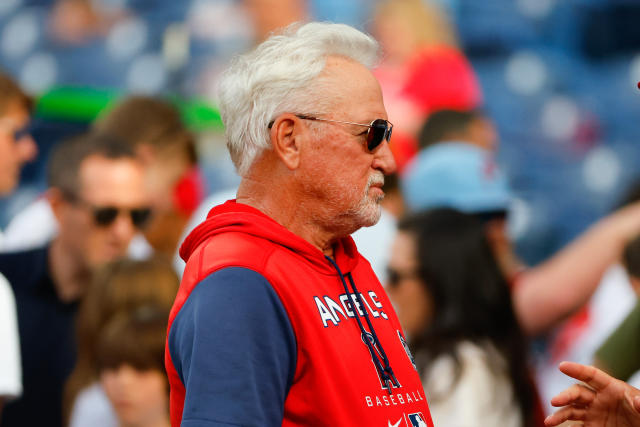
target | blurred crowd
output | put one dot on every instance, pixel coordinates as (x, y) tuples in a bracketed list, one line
[(492, 294)]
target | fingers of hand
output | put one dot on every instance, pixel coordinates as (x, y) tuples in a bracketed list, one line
[(590, 375), (636, 403), (567, 413), (577, 395)]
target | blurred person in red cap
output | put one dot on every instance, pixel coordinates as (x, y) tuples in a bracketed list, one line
[(96, 192), (16, 148), (423, 69)]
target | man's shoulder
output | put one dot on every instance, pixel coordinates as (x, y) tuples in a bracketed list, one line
[(232, 249), (24, 266)]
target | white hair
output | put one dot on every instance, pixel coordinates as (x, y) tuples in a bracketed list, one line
[(279, 76)]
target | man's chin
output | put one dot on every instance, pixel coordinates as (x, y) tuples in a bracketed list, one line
[(371, 216)]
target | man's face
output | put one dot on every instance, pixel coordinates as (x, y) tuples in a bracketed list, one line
[(104, 183), (343, 177), (16, 147)]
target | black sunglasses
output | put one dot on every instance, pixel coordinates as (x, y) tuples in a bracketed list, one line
[(379, 129), (485, 217), (22, 132), (104, 216), (394, 277)]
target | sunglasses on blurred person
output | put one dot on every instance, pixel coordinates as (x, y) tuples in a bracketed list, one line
[(379, 129), (485, 217), (395, 277), (105, 216), (16, 133)]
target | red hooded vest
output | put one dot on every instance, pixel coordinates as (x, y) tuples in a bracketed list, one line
[(336, 382)]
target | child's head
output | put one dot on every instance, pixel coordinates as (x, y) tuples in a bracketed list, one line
[(119, 286), (131, 365), (631, 260)]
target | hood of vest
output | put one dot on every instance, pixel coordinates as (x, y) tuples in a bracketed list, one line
[(232, 217)]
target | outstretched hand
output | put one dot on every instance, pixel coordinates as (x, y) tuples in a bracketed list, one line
[(602, 401)]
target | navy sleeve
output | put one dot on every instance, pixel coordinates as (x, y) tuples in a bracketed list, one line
[(234, 349)]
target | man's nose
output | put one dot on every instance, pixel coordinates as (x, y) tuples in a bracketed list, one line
[(383, 159), (123, 227)]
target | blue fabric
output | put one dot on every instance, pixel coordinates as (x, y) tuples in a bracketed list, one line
[(455, 175), (234, 349)]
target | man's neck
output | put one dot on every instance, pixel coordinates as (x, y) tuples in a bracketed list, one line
[(70, 277), (286, 211)]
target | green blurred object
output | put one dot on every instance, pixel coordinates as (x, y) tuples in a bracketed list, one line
[(83, 104)]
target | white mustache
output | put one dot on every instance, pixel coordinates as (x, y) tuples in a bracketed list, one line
[(375, 179)]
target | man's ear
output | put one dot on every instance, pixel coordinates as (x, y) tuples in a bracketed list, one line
[(57, 202), (286, 136)]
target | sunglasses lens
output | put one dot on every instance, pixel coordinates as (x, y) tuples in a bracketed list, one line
[(139, 217), (24, 131), (393, 278), (105, 216), (378, 131)]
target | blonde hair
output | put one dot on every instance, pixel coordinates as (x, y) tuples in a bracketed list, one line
[(428, 23)]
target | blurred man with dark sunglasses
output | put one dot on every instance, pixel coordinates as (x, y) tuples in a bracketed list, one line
[(98, 197)]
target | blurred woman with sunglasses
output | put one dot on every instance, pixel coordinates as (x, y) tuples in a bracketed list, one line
[(455, 307)]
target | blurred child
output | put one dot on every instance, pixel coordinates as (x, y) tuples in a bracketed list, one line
[(131, 366), (122, 286)]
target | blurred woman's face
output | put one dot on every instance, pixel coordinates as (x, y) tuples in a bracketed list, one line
[(405, 288)]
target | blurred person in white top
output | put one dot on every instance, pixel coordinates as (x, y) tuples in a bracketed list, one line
[(16, 148)]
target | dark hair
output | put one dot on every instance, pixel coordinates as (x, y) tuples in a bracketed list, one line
[(67, 157), (631, 257), (470, 296), (11, 92), (444, 125), (148, 120), (135, 338)]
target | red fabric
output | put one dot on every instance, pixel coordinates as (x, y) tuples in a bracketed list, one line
[(189, 192), (440, 77), (335, 382)]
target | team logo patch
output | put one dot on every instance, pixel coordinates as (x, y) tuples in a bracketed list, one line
[(406, 349), (417, 420)]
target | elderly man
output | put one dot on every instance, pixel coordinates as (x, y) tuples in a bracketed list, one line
[(98, 197), (279, 319)]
